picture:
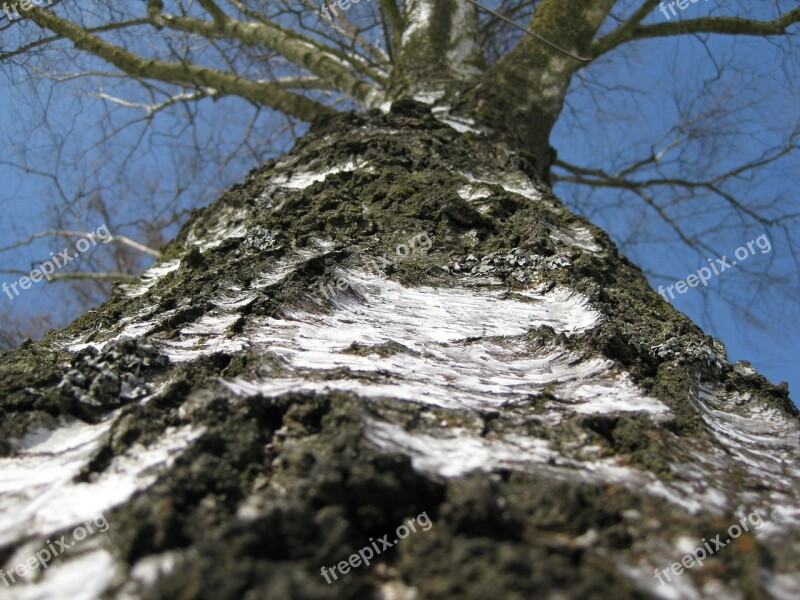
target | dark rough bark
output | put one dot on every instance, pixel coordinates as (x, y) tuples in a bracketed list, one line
[(516, 379)]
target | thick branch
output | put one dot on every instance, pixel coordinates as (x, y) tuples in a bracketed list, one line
[(718, 25), (220, 18), (41, 42), (344, 27), (181, 73), (113, 275), (438, 48), (358, 62), (624, 31), (117, 239), (523, 93), (292, 46), (395, 23), (394, 16)]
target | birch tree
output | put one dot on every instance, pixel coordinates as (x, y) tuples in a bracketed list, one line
[(389, 363)]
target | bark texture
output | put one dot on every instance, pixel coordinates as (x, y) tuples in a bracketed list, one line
[(396, 318)]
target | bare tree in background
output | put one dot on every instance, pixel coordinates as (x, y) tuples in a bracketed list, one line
[(218, 86)]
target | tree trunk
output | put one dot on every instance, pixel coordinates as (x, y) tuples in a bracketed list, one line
[(396, 321)]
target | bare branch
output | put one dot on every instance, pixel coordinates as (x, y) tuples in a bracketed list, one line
[(77, 275), (187, 73), (624, 31), (220, 18), (118, 239), (303, 52), (718, 25)]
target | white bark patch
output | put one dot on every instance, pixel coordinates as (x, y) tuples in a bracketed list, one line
[(419, 18), (460, 124), (83, 576), (303, 179), (151, 276), (766, 445), (380, 310), (471, 193), (38, 492), (457, 452), (516, 183), (760, 442), (781, 586), (146, 572), (681, 587), (192, 348), (386, 311), (276, 275), (429, 97), (233, 301), (227, 223), (462, 350), (579, 237), (463, 46), (456, 349)]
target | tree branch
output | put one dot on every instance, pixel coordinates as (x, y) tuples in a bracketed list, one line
[(623, 32), (220, 18), (395, 21), (718, 25), (602, 179), (50, 39), (356, 61), (119, 239), (299, 51), (343, 26), (77, 275), (186, 73)]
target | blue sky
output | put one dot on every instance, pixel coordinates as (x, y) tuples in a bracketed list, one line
[(658, 85)]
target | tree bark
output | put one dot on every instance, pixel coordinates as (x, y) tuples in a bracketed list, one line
[(395, 319), (439, 49), (522, 95)]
